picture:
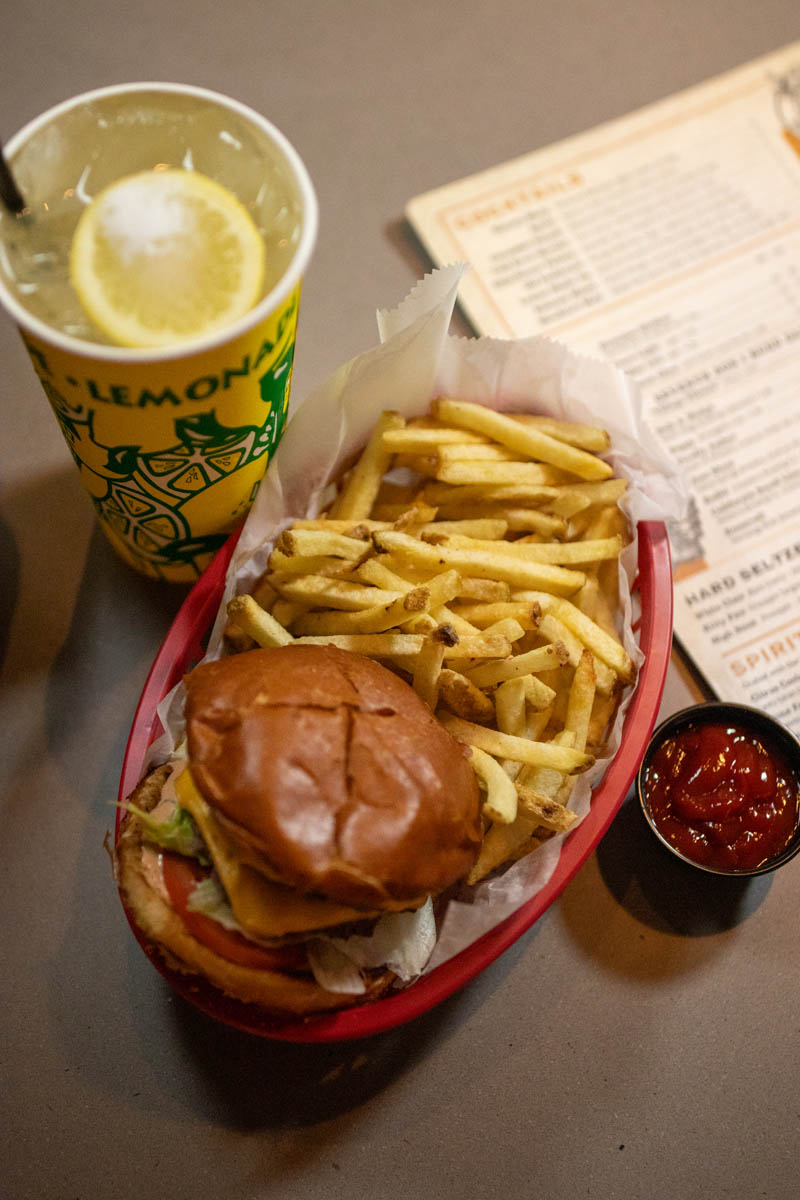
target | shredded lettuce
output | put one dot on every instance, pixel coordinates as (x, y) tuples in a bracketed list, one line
[(402, 941), (177, 832), (210, 898), (333, 969)]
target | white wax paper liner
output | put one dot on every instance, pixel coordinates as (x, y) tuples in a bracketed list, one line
[(416, 361)]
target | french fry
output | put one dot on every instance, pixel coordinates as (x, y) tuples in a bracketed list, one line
[(420, 464), (588, 437), (501, 795), (581, 700), (510, 704), (317, 564), (559, 681), (374, 645), (392, 495), (415, 517), (523, 520), (355, 529), (486, 614), (263, 592), (603, 645), (539, 695), (606, 492), (488, 564), (442, 588), (425, 621), (328, 542), (587, 598), (554, 629), (476, 452), (608, 519), (504, 745), (500, 473), (544, 812), (538, 722), (318, 590), (426, 676), (488, 528), (541, 658), (416, 439), (606, 602), (525, 439), (252, 619), (569, 504), (578, 524), (286, 612), (542, 782), (507, 627), (602, 712), (502, 844), (582, 552), (236, 639), (488, 591), (377, 619), (376, 571), (381, 617), (463, 698), (471, 499), (379, 573), (361, 486), (446, 616), (484, 646), (390, 512)]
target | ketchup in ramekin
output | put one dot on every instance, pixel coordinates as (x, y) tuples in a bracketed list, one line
[(721, 786)]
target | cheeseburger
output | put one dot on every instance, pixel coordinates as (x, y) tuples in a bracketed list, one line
[(290, 851)]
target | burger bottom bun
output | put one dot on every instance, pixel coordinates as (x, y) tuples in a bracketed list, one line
[(165, 934)]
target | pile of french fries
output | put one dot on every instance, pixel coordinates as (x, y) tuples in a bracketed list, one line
[(475, 553)]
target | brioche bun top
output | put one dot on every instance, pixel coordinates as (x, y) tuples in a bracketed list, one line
[(336, 771)]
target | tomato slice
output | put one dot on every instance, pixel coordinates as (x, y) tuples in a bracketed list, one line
[(181, 876)]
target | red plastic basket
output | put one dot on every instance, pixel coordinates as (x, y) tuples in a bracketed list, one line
[(184, 646)]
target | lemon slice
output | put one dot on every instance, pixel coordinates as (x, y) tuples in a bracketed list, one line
[(164, 256)]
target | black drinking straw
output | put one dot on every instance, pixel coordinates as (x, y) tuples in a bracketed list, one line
[(9, 192)]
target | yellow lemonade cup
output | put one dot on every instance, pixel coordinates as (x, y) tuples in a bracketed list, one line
[(171, 443)]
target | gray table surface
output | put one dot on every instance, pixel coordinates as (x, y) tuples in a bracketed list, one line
[(642, 1040)]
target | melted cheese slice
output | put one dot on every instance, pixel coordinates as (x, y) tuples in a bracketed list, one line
[(262, 908)]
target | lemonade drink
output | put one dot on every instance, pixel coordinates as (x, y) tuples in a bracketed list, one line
[(171, 432)]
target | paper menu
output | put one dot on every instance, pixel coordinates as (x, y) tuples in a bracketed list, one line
[(669, 242)]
